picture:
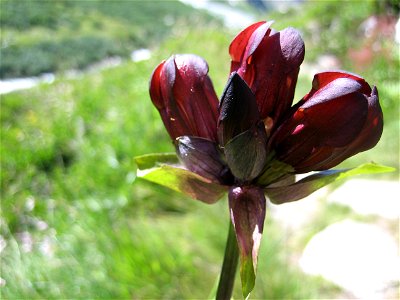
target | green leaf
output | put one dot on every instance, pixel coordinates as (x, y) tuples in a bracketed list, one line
[(310, 184), (185, 182), (152, 160)]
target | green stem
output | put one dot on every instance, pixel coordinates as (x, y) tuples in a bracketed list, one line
[(229, 266)]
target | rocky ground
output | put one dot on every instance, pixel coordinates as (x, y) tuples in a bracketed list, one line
[(360, 252)]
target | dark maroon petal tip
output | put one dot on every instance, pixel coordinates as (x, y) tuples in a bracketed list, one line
[(322, 79), (293, 48), (335, 89), (373, 129), (240, 42)]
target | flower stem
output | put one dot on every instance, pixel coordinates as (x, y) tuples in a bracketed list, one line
[(229, 266)]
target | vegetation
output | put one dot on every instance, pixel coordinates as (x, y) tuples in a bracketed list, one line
[(49, 36), (72, 223)]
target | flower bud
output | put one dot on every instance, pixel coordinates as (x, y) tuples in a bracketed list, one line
[(340, 117), (269, 62), (184, 96), (241, 131)]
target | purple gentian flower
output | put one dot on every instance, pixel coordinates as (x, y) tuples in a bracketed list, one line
[(254, 137)]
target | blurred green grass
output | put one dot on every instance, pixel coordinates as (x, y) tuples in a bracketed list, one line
[(49, 36), (76, 227)]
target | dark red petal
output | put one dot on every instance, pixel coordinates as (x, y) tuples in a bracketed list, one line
[(256, 38), (285, 97), (239, 43), (318, 157), (202, 156), (161, 83), (322, 79), (271, 71), (292, 46), (372, 131), (155, 87), (183, 93), (368, 137), (176, 120), (195, 96), (308, 137), (338, 118), (238, 109), (337, 88)]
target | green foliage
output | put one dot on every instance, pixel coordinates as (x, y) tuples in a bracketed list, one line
[(247, 275), (333, 33), (185, 182), (48, 56), (312, 183), (49, 36), (67, 166), (152, 160), (123, 258)]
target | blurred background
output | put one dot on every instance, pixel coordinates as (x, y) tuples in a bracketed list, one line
[(75, 110)]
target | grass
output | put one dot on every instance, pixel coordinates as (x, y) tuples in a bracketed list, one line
[(112, 254), (49, 36), (75, 225)]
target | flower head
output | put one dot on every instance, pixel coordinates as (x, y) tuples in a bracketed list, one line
[(254, 137)]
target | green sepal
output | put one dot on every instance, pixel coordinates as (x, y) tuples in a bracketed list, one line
[(310, 184), (247, 207), (274, 172), (185, 182), (247, 275), (152, 160), (246, 153)]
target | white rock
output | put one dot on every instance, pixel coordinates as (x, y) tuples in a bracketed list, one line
[(140, 54), (16, 84), (294, 215), (361, 258), (369, 197)]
